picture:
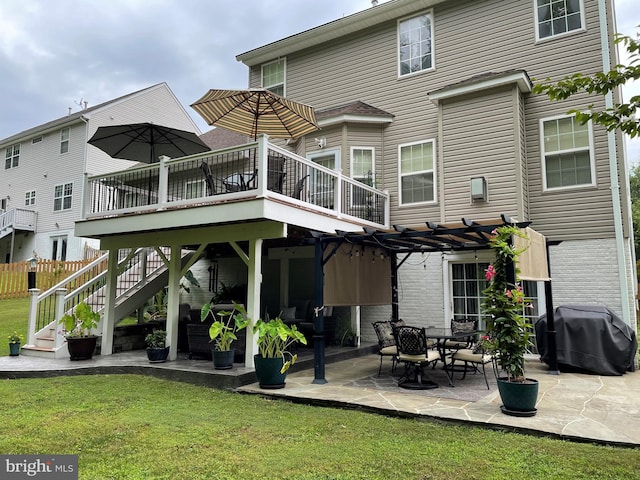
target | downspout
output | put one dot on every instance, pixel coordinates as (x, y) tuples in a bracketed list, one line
[(613, 172)]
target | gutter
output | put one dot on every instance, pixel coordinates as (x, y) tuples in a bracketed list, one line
[(613, 174)]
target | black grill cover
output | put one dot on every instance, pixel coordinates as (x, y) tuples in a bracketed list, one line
[(591, 338)]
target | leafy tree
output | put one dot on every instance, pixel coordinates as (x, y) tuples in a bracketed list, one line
[(622, 115)]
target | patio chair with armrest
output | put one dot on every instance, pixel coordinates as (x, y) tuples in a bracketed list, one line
[(208, 177), (275, 173), (461, 325), (387, 341), (414, 352), (474, 359)]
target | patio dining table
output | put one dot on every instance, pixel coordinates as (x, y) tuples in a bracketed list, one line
[(439, 335)]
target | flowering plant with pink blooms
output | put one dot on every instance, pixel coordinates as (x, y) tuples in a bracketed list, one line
[(508, 331)]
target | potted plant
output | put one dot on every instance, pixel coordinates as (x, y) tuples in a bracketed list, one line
[(15, 339), (274, 338), (157, 351), (222, 333), (78, 326), (508, 331)]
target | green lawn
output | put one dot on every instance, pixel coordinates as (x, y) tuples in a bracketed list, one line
[(14, 316), (137, 427)]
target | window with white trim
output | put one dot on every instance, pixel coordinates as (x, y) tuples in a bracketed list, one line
[(30, 198), (37, 139), (567, 154), (273, 75), (12, 156), (468, 281), (417, 172), (557, 17), (362, 170), (62, 196), (415, 44), (194, 189), (64, 140)]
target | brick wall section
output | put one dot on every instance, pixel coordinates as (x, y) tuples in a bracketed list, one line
[(585, 272)]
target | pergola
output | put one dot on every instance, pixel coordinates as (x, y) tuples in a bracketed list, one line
[(468, 235)]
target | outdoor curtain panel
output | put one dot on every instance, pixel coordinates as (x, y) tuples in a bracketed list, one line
[(533, 261), (357, 276)]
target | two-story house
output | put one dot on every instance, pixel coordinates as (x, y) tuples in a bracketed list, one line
[(44, 166), (426, 115), (433, 100)]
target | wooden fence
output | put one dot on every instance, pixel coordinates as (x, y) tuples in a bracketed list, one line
[(13, 276)]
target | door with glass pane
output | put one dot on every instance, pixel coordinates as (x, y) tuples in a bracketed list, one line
[(321, 185), (468, 282)]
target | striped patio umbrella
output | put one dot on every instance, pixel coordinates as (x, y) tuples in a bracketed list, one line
[(255, 111)]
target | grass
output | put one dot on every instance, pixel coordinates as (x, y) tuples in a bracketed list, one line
[(14, 316), (137, 427)]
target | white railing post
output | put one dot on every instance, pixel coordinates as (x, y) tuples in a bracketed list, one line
[(163, 182), (337, 192), (387, 208), (59, 312), (33, 315)]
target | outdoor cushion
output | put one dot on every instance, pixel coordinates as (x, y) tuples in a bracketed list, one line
[(390, 350), (384, 333), (288, 314), (467, 355)]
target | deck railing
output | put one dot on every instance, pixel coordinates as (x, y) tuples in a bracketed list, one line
[(257, 169), (19, 218)]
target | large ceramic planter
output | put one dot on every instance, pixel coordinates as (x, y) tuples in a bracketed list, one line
[(518, 399), (157, 355), (268, 372), (14, 349), (81, 348), (223, 359)]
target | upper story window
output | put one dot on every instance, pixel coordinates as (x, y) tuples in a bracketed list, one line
[(12, 158), (556, 17), (415, 44), (567, 153), (417, 172), (273, 75), (62, 195), (37, 139), (64, 140), (30, 198)]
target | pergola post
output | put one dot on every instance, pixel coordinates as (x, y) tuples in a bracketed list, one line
[(552, 347), (318, 315)]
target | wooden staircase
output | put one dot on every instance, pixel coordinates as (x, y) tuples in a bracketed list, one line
[(143, 273)]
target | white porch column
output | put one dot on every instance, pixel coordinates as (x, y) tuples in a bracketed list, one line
[(173, 300), (108, 317), (33, 314), (355, 322), (253, 297)]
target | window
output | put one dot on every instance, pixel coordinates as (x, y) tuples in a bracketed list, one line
[(37, 139), (556, 17), (194, 189), (59, 248), (64, 140), (467, 284), (415, 44), (30, 198), (273, 75), (362, 170), (62, 197), (566, 152), (417, 172), (12, 158)]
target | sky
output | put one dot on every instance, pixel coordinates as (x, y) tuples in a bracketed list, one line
[(57, 55)]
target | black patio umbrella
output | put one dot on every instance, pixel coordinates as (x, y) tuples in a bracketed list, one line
[(145, 142)]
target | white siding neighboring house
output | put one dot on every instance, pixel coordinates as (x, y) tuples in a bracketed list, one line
[(42, 172)]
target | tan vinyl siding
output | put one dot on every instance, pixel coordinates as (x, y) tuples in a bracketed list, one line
[(478, 141), (471, 38)]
